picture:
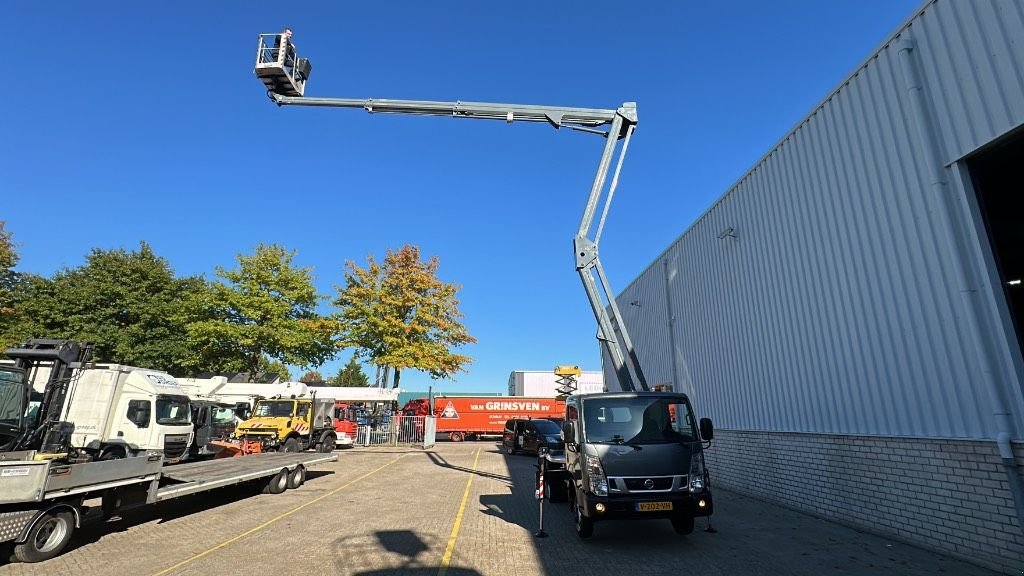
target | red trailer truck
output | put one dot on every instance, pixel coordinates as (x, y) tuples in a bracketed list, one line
[(469, 417)]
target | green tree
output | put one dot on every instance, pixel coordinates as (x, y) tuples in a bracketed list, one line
[(8, 280), (399, 314), (268, 366), (264, 307), (128, 303), (8, 255), (351, 374), (311, 377), (14, 288)]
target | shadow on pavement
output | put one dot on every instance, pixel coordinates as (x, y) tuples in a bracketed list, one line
[(385, 552), (439, 460), (422, 571)]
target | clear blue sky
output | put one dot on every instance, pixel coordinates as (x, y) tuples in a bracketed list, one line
[(130, 121)]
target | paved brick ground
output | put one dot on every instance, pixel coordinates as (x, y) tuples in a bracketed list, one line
[(391, 511)]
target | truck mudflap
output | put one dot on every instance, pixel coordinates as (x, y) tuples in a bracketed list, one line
[(13, 524)]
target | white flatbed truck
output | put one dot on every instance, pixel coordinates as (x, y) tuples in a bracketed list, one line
[(42, 502)]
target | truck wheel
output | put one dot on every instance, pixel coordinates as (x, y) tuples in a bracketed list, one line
[(112, 453), (297, 477), (47, 538), (456, 436), (327, 445), (277, 484), (584, 525), (290, 445), (682, 524)]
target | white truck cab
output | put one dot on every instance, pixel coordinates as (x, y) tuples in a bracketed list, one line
[(121, 411)]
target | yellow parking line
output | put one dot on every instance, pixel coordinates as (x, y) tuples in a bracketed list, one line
[(447, 558), (272, 520)]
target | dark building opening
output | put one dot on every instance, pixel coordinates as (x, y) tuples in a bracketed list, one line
[(998, 175)]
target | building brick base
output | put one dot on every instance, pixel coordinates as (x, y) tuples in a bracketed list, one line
[(947, 495)]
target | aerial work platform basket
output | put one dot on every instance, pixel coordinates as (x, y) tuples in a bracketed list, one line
[(279, 66)]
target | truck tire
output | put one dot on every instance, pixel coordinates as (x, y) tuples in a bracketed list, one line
[(112, 453), (278, 483), (327, 444), (456, 436), (584, 524), (47, 538), (682, 524), (290, 445), (297, 477)]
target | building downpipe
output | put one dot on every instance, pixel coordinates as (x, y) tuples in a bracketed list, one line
[(973, 308)]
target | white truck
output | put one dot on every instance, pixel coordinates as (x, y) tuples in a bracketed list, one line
[(120, 411), (48, 488)]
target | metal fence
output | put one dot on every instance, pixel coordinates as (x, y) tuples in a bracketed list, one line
[(400, 430)]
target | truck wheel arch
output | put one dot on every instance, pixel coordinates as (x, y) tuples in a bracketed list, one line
[(54, 509)]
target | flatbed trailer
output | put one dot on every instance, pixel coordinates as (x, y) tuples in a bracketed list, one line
[(42, 502)]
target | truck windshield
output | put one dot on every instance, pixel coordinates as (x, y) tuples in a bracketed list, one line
[(274, 408), (172, 410), (11, 397), (222, 415), (639, 420)]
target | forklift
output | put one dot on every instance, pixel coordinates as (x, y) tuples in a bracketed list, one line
[(29, 420)]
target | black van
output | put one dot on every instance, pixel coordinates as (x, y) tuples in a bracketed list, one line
[(529, 435)]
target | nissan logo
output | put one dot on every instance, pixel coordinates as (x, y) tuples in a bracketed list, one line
[(649, 484)]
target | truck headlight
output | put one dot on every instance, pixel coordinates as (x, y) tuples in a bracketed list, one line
[(697, 472), (598, 481)]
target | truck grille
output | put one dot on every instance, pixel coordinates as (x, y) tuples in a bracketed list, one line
[(647, 484), (639, 484), (175, 446)]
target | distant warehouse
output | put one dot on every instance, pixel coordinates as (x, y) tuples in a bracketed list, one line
[(850, 312), (541, 383)]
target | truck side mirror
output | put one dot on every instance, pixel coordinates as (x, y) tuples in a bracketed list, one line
[(569, 432), (707, 429)]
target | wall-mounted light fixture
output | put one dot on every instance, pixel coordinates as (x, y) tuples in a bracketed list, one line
[(729, 232)]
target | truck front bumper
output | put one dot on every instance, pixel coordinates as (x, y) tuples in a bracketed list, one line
[(634, 506)]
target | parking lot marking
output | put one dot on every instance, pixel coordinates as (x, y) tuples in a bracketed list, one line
[(276, 518), (450, 549)]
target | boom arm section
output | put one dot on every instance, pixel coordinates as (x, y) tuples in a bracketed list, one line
[(620, 124)]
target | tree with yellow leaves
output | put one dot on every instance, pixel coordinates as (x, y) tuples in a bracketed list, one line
[(399, 314)]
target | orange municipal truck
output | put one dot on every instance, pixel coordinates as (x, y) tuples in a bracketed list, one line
[(469, 417)]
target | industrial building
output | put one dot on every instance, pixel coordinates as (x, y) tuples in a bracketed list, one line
[(849, 313), (542, 383)]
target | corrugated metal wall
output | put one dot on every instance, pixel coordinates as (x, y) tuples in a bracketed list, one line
[(831, 306)]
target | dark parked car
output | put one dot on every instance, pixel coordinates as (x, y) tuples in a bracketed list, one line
[(529, 435)]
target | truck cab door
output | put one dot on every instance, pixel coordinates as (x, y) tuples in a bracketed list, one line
[(133, 422), (303, 421), (201, 418)]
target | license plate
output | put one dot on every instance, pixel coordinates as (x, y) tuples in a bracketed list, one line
[(653, 506)]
